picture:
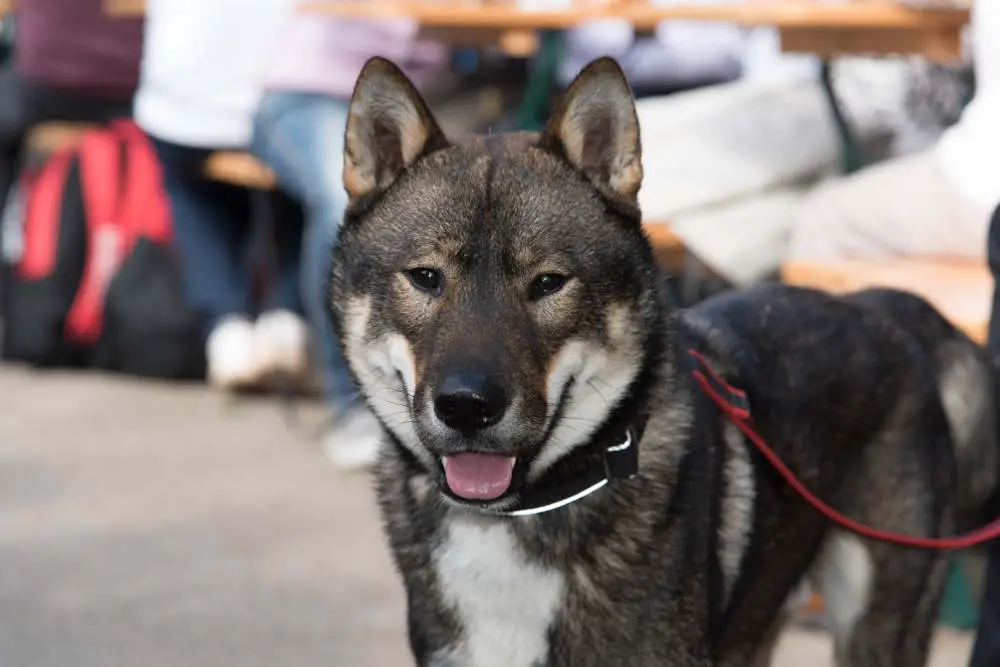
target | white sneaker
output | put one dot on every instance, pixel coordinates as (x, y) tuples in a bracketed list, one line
[(352, 443), (230, 354), (281, 346)]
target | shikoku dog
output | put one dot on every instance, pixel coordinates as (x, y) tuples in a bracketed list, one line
[(556, 488)]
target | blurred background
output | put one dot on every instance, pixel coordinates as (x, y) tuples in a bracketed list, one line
[(183, 459)]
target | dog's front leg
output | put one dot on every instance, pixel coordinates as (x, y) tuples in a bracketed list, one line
[(432, 637)]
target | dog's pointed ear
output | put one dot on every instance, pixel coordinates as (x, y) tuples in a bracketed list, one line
[(595, 128), (389, 127)]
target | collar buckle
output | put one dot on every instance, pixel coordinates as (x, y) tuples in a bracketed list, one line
[(621, 461)]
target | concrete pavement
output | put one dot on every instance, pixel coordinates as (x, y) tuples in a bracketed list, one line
[(149, 525)]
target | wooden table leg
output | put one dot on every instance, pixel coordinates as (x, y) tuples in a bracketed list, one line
[(531, 114)]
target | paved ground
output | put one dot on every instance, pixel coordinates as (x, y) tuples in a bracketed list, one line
[(145, 524)]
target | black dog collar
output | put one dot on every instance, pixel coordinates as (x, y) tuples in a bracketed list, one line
[(621, 461)]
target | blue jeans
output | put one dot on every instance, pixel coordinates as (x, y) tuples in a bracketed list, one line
[(214, 237), (301, 136)]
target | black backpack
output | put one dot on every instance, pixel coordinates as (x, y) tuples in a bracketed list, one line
[(96, 283)]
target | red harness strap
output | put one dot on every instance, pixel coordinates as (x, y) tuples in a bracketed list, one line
[(734, 404)]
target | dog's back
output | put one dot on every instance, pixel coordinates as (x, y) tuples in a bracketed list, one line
[(895, 332)]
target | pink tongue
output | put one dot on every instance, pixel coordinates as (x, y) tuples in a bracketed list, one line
[(478, 476)]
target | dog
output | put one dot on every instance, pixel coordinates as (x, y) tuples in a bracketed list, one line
[(556, 487)]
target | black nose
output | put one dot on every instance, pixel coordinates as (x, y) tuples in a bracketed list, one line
[(469, 402)]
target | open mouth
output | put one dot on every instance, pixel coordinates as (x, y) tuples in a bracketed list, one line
[(478, 476)]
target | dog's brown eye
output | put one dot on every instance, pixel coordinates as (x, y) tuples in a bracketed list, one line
[(546, 284), (426, 280)]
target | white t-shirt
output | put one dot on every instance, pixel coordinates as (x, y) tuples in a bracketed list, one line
[(201, 68), (970, 150)]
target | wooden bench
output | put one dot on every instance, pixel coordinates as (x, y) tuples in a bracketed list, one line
[(239, 168), (669, 247), (811, 26), (962, 291), (517, 43), (46, 138)]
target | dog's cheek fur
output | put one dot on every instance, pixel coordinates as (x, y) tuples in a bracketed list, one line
[(601, 371), (385, 370)]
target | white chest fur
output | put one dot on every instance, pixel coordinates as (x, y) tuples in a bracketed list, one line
[(504, 603)]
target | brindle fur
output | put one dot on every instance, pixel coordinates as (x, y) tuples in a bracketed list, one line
[(692, 562)]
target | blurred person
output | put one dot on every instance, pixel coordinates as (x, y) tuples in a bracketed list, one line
[(299, 131), (199, 88), (72, 62), (935, 202), (677, 56), (728, 164)]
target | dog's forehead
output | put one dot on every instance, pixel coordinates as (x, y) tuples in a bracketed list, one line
[(502, 185)]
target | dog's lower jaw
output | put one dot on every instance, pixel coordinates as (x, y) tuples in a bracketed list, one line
[(494, 509)]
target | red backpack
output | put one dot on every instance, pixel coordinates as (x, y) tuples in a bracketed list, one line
[(95, 282)]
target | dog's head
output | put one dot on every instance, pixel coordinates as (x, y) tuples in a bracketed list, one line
[(493, 296)]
